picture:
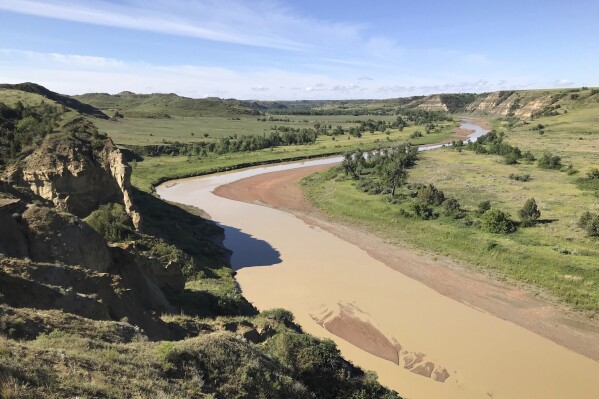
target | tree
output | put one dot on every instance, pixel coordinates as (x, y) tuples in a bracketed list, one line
[(392, 166), (529, 214), (498, 222), (393, 173), (352, 163)]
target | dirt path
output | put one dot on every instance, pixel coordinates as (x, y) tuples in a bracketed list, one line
[(281, 190)]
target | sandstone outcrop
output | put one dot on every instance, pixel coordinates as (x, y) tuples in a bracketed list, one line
[(76, 174)]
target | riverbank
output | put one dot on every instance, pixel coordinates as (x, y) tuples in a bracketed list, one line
[(519, 305), (419, 342)]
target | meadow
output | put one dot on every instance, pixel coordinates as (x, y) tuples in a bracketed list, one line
[(146, 131)]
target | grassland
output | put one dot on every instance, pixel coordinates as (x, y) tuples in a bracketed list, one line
[(145, 131), (154, 170), (555, 256)]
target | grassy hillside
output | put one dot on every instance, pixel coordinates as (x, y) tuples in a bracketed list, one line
[(164, 105), (556, 255), (70, 102)]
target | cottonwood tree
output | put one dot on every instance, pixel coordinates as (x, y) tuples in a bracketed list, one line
[(392, 167)]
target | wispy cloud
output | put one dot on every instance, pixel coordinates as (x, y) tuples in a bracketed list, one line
[(259, 23), (72, 60)]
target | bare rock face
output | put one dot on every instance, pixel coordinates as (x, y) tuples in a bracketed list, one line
[(60, 237), (77, 175)]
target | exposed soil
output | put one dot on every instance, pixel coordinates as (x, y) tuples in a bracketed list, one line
[(519, 305)]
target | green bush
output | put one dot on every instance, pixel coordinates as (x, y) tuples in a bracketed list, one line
[(522, 177), (483, 207), (453, 208), (550, 161), (528, 157), (423, 211), (590, 223), (590, 181), (529, 214), (280, 315), (111, 221), (430, 195), (498, 222)]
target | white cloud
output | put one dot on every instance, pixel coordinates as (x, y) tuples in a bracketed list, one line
[(563, 82)]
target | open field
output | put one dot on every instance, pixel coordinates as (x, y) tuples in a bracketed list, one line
[(145, 131), (555, 256), (154, 170)]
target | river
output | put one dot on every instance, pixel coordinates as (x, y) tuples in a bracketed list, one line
[(421, 343)]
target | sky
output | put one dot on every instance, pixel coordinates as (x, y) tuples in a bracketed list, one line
[(304, 49)]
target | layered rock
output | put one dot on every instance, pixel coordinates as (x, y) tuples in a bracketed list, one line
[(77, 175), (433, 103)]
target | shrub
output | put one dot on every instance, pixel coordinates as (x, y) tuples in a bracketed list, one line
[(590, 181), (510, 159), (111, 221), (415, 135), (550, 161), (592, 228), (280, 315), (590, 223), (423, 211), (529, 214), (453, 208), (498, 222), (523, 177), (483, 207), (430, 195), (528, 157)]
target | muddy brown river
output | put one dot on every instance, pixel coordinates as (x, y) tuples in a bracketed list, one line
[(419, 342)]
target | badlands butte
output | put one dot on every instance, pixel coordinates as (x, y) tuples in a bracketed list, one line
[(150, 248)]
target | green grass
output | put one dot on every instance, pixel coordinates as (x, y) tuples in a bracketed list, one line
[(155, 170), (536, 256), (10, 97), (145, 131)]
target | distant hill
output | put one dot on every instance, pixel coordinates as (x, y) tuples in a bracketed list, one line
[(160, 105), (518, 103), (67, 101)]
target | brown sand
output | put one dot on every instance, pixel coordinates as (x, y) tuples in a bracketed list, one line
[(543, 316)]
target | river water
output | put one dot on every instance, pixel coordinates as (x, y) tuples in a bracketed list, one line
[(327, 282)]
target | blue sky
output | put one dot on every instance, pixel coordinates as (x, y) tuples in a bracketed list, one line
[(299, 49)]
